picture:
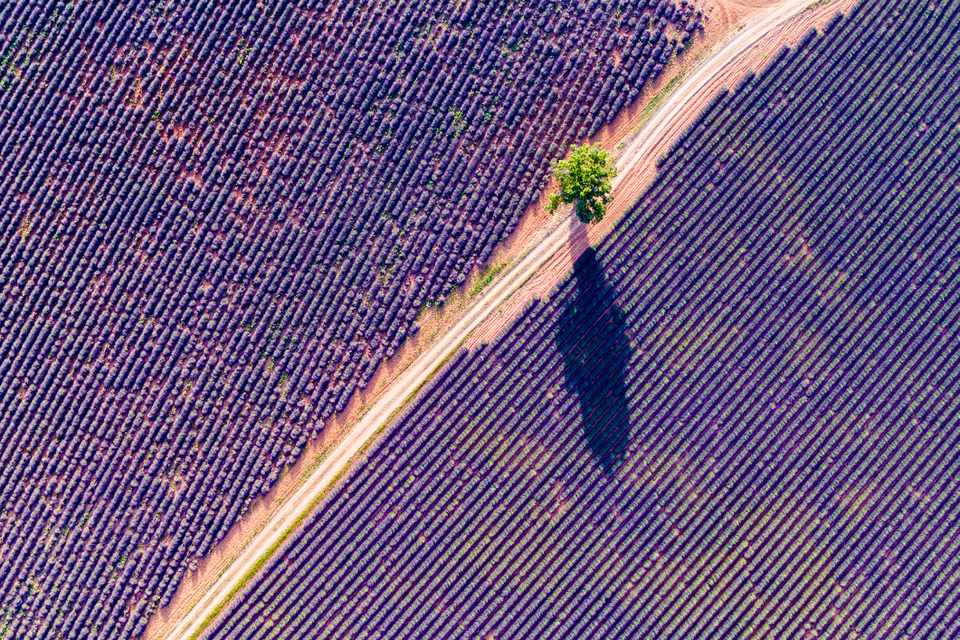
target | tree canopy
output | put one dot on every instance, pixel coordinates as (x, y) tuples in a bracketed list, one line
[(585, 180)]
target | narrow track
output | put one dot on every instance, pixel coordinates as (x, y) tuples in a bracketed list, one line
[(665, 122)]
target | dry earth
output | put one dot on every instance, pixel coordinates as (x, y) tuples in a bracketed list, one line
[(641, 165), (636, 159)]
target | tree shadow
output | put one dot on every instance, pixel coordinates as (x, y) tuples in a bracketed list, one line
[(591, 337)]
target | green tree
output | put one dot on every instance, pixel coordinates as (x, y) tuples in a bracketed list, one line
[(585, 180)]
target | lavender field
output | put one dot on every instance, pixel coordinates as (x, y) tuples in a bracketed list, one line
[(218, 219), (739, 418)]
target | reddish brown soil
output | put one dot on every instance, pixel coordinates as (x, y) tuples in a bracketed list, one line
[(722, 15), (643, 170)]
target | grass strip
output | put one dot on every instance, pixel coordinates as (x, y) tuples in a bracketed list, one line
[(486, 277)]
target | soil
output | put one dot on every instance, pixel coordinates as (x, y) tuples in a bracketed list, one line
[(722, 18)]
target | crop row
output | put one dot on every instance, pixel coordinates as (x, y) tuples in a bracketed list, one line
[(218, 219), (738, 418)]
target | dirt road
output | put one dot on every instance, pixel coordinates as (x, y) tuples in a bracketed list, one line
[(663, 127), (665, 123)]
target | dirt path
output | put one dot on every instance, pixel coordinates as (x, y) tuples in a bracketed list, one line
[(765, 31), (529, 273)]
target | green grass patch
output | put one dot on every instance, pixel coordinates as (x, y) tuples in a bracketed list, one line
[(658, 99), (486, 277)]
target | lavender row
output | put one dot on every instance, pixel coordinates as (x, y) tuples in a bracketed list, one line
[(782, 459), (218, 219)]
